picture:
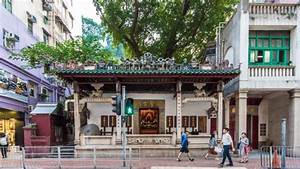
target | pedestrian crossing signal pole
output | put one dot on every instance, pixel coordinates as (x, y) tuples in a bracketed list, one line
[(123, 118)]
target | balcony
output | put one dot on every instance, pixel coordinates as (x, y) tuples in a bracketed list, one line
[(271, 71), (272, 14), (13, 95)]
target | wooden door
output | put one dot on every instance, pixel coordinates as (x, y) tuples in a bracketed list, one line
[(213, 125), (255, 132)]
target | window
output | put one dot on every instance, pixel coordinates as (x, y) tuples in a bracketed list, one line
[(263, 129), (269, 47), (30, 25), (202, 124), (9, 39), (7, 5), (45, 37), (32, 89), (45, 20)]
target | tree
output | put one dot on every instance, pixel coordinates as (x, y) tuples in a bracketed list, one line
[(97, 32), (167, 28), (79, 50)]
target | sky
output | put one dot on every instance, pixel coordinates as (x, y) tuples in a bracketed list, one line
[(84, 8)]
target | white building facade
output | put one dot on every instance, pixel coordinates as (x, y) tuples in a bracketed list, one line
[(263, 40)]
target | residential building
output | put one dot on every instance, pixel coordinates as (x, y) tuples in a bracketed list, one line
[(50, 21), (20, 89), (263, 40)]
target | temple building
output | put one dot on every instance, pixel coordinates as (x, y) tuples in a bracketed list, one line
[(169, 98)]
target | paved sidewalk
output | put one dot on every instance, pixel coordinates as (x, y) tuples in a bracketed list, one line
[(195, 167)]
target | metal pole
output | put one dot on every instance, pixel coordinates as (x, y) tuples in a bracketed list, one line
[(283, 142), (59, 156), (123, 124), (23, 158), (94, 157)]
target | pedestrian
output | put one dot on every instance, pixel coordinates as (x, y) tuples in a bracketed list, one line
[(184, 146), (3, 144), (244, 147), (227, 143), (212, 144)]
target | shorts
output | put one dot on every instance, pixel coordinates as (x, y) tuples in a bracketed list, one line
[(184, 149)]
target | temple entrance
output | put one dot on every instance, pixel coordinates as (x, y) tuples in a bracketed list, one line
[(149, 120)]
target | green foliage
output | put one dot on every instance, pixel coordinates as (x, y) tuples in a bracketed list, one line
[(96, 32), (79, 50), (168, 28)]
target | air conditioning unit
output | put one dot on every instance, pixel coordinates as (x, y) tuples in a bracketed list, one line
[(31, 18), (30, 108), (47, 7)]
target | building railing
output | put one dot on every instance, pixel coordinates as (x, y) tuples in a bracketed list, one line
[(267, 8), (280, 157), (13, 95), (271, 71)]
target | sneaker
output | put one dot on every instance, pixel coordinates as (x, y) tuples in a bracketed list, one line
[(229, 165), (221, 165), (191, 159), (178, 160)]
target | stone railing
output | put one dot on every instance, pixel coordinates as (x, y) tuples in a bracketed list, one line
[(97, 140), (271, 71), (267, 8), (151, 139)]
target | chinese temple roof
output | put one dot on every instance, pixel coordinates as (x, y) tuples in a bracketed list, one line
[(147, 69)]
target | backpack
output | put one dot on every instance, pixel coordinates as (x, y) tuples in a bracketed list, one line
[(3, 141)]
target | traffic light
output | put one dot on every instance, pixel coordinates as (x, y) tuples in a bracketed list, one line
[(129, 109), (116, 103)]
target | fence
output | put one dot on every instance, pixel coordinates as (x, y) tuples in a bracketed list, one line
[(279, 157), (54, 157)]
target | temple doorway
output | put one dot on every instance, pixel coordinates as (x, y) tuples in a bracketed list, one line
[(149, 117), (149, 120)]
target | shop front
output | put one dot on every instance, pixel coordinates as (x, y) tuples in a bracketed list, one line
[(11, 123)]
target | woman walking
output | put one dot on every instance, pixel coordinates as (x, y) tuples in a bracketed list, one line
[(244, 147), (212, 144)]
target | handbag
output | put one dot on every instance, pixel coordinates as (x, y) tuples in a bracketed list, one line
[(218, 149)]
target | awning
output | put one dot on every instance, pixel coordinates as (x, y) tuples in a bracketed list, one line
[(44, 108)]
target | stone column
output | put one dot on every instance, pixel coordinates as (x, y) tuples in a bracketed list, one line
[(220, 110), (241, 114), (178, 108), (119, 118), (294, 118), (76, 114), (227, 112)]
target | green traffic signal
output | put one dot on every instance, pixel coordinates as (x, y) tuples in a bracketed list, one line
[(129, 109)]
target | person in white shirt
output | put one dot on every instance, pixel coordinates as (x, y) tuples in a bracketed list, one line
[(3, 144), (227, 143)]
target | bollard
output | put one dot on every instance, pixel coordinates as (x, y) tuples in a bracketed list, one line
[(283, 142), (23, 158), (94, 157), (58, 156)]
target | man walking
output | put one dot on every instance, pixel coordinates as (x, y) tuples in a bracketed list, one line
[(184, 146), (227, 142)]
